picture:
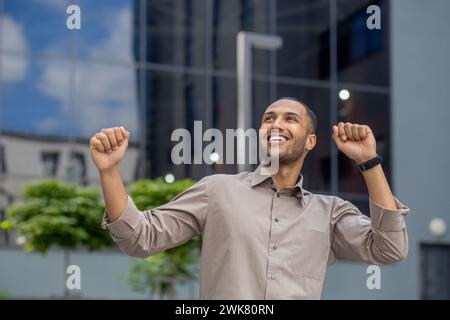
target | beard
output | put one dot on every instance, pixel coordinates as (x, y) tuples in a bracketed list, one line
[(290, 155)]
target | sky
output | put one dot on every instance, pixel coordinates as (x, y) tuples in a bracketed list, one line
[(44, 91)]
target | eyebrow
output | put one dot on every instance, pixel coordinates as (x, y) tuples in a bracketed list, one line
[(290, 113)]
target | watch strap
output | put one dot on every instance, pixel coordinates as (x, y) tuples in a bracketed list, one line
[(370, 163)]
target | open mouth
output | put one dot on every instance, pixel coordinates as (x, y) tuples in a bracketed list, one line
[(277, 138)]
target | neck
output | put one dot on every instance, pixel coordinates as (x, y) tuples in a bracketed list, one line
[(288, 174)]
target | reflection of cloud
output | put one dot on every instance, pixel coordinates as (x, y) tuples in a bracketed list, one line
[(49, 125), (12, 38), (57, 4), (119, 43), (105, 95)]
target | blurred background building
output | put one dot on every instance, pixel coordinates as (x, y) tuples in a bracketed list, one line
[(155, 66)]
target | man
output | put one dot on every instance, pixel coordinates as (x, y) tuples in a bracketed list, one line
[(264, 237)]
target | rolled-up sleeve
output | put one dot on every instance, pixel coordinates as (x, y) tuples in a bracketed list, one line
[(143, 233), (380, 239)]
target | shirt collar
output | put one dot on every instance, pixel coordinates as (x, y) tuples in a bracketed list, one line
[(260, 175)]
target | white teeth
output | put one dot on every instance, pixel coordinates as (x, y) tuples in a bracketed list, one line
[(277, 138)]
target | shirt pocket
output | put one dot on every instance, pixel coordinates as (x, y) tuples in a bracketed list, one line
[(309, 254)]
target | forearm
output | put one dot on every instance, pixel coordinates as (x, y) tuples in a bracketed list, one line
[(378, 187), (114, 192)]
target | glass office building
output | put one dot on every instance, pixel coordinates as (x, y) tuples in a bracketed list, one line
[(155, 66), (188, 50)]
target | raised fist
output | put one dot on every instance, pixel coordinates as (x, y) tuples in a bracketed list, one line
[(108, 147)]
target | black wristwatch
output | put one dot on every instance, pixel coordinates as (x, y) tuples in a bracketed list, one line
[(370, 163)]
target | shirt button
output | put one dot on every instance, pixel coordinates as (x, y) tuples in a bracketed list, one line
[(277, 220), (275, 247), (273, 276), (278, 194)]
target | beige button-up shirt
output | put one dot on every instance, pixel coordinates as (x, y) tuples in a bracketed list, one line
[(259, 243)]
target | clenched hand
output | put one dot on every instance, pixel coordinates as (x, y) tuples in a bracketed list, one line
[(356, 141), (108, 147)]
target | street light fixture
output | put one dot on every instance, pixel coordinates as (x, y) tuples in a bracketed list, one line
[(246, 41)]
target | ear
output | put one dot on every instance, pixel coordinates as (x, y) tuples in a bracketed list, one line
[(311, 141)]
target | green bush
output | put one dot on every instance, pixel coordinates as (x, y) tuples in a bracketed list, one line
[(66, 215), (159, 273), (54, 213)]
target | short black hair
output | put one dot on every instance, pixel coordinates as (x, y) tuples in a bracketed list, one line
[(311, 115)]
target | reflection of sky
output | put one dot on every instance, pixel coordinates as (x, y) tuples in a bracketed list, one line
[(25, 109), (36, 90)]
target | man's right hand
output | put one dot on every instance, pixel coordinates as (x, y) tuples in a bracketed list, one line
[(108, 147)]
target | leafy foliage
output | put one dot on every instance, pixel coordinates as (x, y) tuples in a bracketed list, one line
[(159, 273), (56, 213)]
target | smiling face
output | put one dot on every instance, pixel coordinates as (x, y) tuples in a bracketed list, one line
[(286, 129)]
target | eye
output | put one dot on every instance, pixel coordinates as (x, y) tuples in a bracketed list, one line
[(292, 119), (268, 118)]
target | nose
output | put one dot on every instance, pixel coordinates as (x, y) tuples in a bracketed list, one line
[(277, 125)]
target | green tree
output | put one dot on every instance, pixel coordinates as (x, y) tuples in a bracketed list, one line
[(159, 273), (52, 213)]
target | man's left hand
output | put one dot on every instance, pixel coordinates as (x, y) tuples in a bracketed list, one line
[(356, 141)]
